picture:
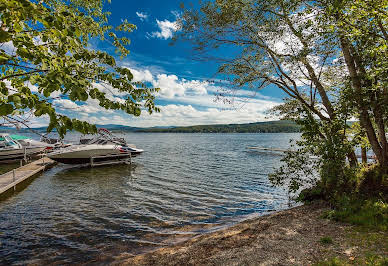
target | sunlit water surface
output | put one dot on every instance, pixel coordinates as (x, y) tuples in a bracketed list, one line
[(183, 185)]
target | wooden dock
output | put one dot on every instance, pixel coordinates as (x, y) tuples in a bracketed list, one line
[(14, 179)]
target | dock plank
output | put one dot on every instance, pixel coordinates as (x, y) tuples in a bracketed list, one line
[(10, 180)]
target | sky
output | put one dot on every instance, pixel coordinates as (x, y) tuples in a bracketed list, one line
[(186, 96)]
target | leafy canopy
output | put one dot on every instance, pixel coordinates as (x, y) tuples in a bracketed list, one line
[(45, 54), (328, 57)]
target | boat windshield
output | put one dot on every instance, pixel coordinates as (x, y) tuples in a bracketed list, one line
[(6, 141), (103, 137)]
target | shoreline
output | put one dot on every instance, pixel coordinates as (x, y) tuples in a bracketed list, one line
[(288, 237)]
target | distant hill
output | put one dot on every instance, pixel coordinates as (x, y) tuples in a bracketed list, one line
[(112, 127), (259, 127), (128, 128)]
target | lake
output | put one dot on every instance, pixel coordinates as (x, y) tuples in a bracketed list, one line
[(181, 186)]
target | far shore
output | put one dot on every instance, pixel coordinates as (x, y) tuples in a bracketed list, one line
[(297, 236)]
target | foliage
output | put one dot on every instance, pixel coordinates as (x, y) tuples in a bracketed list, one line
[(361, 31), (367, 213), (45, 54), (318, 163), (296, 172), (327, 56), (311, 194)]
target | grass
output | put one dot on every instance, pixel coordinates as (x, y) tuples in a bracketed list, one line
[(326, 240), (361, 201), (370, 214), (367, 240), (370, 259), (371, 249)]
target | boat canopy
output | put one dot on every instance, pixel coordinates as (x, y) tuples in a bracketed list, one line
[(14, 137), (18, 137)]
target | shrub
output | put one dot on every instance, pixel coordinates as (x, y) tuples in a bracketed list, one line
[(311, 194), (373, 181), (326, 240), (370, 213)]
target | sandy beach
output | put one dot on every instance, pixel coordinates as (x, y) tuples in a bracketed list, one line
[(290, 237)]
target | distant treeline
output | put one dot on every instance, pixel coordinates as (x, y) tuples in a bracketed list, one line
[(260, 127), (282, 126)]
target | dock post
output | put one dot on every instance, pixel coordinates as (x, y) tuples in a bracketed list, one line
[(91, 161), (14, 179), (25, 154), (21, 163), (130, 158)]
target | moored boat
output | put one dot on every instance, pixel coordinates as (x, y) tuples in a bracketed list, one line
[(14, 148), (103, 147)]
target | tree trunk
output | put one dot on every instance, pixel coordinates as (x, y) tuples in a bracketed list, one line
[(363, 156), (352, 159), (366, 123), (365, 120), (381, 131)]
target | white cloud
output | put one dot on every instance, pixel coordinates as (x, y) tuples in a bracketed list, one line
[(191, 110), (186, 115), (192, 101), (196, 86), (166, 29), (8, 48), (142, 75), (109, 91), (91, 106), (170, 85), (143, 16), (64, 103)]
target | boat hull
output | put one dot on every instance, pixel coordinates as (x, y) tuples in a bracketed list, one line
[(88, 160), (15, 154)]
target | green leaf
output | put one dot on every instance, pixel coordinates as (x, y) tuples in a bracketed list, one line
[(14, 98), (4, 36), (6, 109), (62, 61)]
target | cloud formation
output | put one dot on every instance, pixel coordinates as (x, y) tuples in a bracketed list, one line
[(186, 115), (182, 103), (143, 16), (166, 29), (170, 85)]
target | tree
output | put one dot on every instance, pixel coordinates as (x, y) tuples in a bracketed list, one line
[(45, 54), (361, 28), (301, 47)]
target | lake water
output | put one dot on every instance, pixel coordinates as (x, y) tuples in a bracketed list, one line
[(181, 186)]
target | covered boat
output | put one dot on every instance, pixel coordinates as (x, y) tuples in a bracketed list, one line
[(13, 147)]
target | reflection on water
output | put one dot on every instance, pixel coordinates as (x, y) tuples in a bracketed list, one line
[(183, 185), (6, 167)]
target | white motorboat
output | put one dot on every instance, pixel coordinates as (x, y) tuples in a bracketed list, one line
[(18, 148), (103, 147)]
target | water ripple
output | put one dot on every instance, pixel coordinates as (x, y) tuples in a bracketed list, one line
[(183, 185)]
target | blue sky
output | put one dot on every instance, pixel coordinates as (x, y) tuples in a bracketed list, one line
[(186, 98)]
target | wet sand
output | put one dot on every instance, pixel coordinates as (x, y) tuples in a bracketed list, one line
[(290, 237)]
